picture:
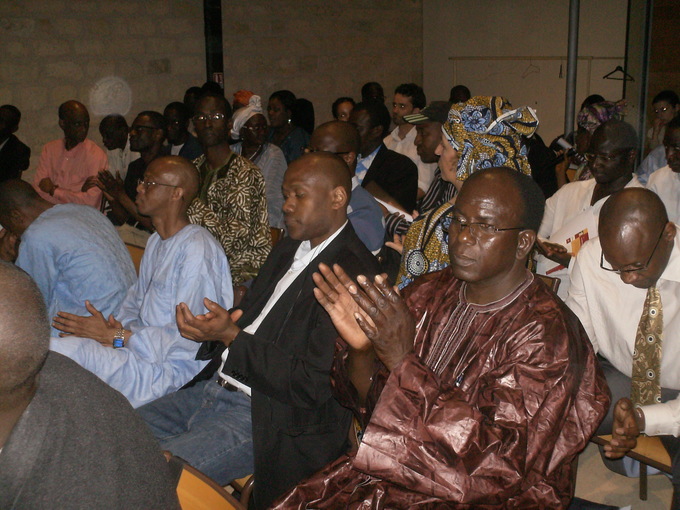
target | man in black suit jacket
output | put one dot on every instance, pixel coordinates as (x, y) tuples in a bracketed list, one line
[(15, 156), (278, 348), (388, 175)]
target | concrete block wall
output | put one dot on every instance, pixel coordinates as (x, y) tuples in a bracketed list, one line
[(55, 50)]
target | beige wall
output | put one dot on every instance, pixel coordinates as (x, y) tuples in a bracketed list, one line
[(54, 50), (511, 29)]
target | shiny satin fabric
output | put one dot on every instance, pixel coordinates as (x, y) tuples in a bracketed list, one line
[(488, 412)]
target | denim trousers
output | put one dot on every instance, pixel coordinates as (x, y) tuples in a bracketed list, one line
[(206, 425)]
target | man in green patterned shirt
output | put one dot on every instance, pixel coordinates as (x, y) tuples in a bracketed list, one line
[(232, 203)]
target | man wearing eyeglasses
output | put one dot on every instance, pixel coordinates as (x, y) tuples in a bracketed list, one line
[(626, 291), (570, 218), (147, 134), (232, 201), (478, 388), (665, 182), (67, 166)]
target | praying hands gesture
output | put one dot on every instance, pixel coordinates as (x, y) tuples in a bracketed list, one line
[(96, 326), (367, 314), (112, 186), (217, 324)]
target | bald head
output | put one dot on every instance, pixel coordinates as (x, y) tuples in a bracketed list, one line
[(177, 171), (20, 204), (70, 107), (324, 167), (341, 138), (635, 234), (24, 329), (618, 133)]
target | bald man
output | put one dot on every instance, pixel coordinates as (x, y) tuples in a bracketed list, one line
[(637, 254), (139, 350), (363, 211), (570, 218), (67, 440), (267, 405), (66, 164)]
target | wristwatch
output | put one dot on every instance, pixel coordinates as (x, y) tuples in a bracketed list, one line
[(119, 339)]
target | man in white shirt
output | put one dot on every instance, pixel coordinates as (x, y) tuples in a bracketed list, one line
[(615, 278), (409, 98), (665, 182), (270, 405), (114, 130)]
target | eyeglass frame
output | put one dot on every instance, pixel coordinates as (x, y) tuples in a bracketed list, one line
[(202, 117), (635, 270), (473, 227), (146, 184), (591, 157)]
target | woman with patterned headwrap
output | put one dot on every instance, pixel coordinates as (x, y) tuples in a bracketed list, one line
[(483, 132), (250, 127)]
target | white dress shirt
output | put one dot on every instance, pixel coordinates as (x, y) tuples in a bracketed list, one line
[(407, 147), (303, 256), (666, 183), (610, 311)]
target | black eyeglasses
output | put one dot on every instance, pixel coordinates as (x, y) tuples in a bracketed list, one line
[(146, 184), (477, 229), (632, 269), (591, 158), (202, 117)]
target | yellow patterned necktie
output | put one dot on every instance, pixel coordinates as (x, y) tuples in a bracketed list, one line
[(646, 378)]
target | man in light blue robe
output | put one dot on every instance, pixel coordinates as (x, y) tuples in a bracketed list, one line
[(182, 263), (72, 251)]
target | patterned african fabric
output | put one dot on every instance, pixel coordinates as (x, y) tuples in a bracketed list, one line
[(486, 131), (232, 205), (646, 378), (424, 248), (487, 412)]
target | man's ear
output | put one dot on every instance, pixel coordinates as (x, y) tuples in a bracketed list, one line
[(669, 231), (339, 198), (376, 132), (61, 124), (525, 242), (349, 158)]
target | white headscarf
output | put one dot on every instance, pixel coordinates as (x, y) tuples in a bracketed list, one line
[(243, 115)]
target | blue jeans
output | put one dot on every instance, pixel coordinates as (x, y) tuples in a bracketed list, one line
[(206, 425)]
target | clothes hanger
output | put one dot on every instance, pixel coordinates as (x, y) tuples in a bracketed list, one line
[(531, 69), (619, 69)]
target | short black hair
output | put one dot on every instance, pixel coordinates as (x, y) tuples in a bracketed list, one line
[(667, 95), (15, 114), (372, 86), (338, 102), (302, 114), (286, 97), (157, 119), (180, 108), (212, 86), (459, 94), (378, 114), (112, 123), (591, 100), (219, 97), (620, 134), (413, 91)]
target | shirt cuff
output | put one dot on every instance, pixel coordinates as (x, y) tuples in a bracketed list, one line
[(660, 420)]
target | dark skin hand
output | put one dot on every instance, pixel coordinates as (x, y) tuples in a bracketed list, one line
[(96, 326), (47, 186), (393, 328), (625, 430), (90, 182), (553, 251), (9, 246), (217, 324), (112, 186)]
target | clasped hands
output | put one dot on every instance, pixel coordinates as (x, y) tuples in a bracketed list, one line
[(96, 326), (625, 430), (216, 324), (367, 314)]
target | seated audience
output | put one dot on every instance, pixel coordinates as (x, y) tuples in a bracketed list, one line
[(114, 131), (249, 126), (363, 212), (625, 288), (389, 176), (15, 156), (570, 217), (409, 98), (665, 106), (665, 182), (180, 141), (269, 406), (655, 159), (66, 439), (342, 107), (147, 134), (68, 167), (71, 251), (231, 203), (478, 389), (459, 94), (467, 146), (372, 92), (283, 132), (139, 351)]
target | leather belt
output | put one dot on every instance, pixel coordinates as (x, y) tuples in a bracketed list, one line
[(226, 384)]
